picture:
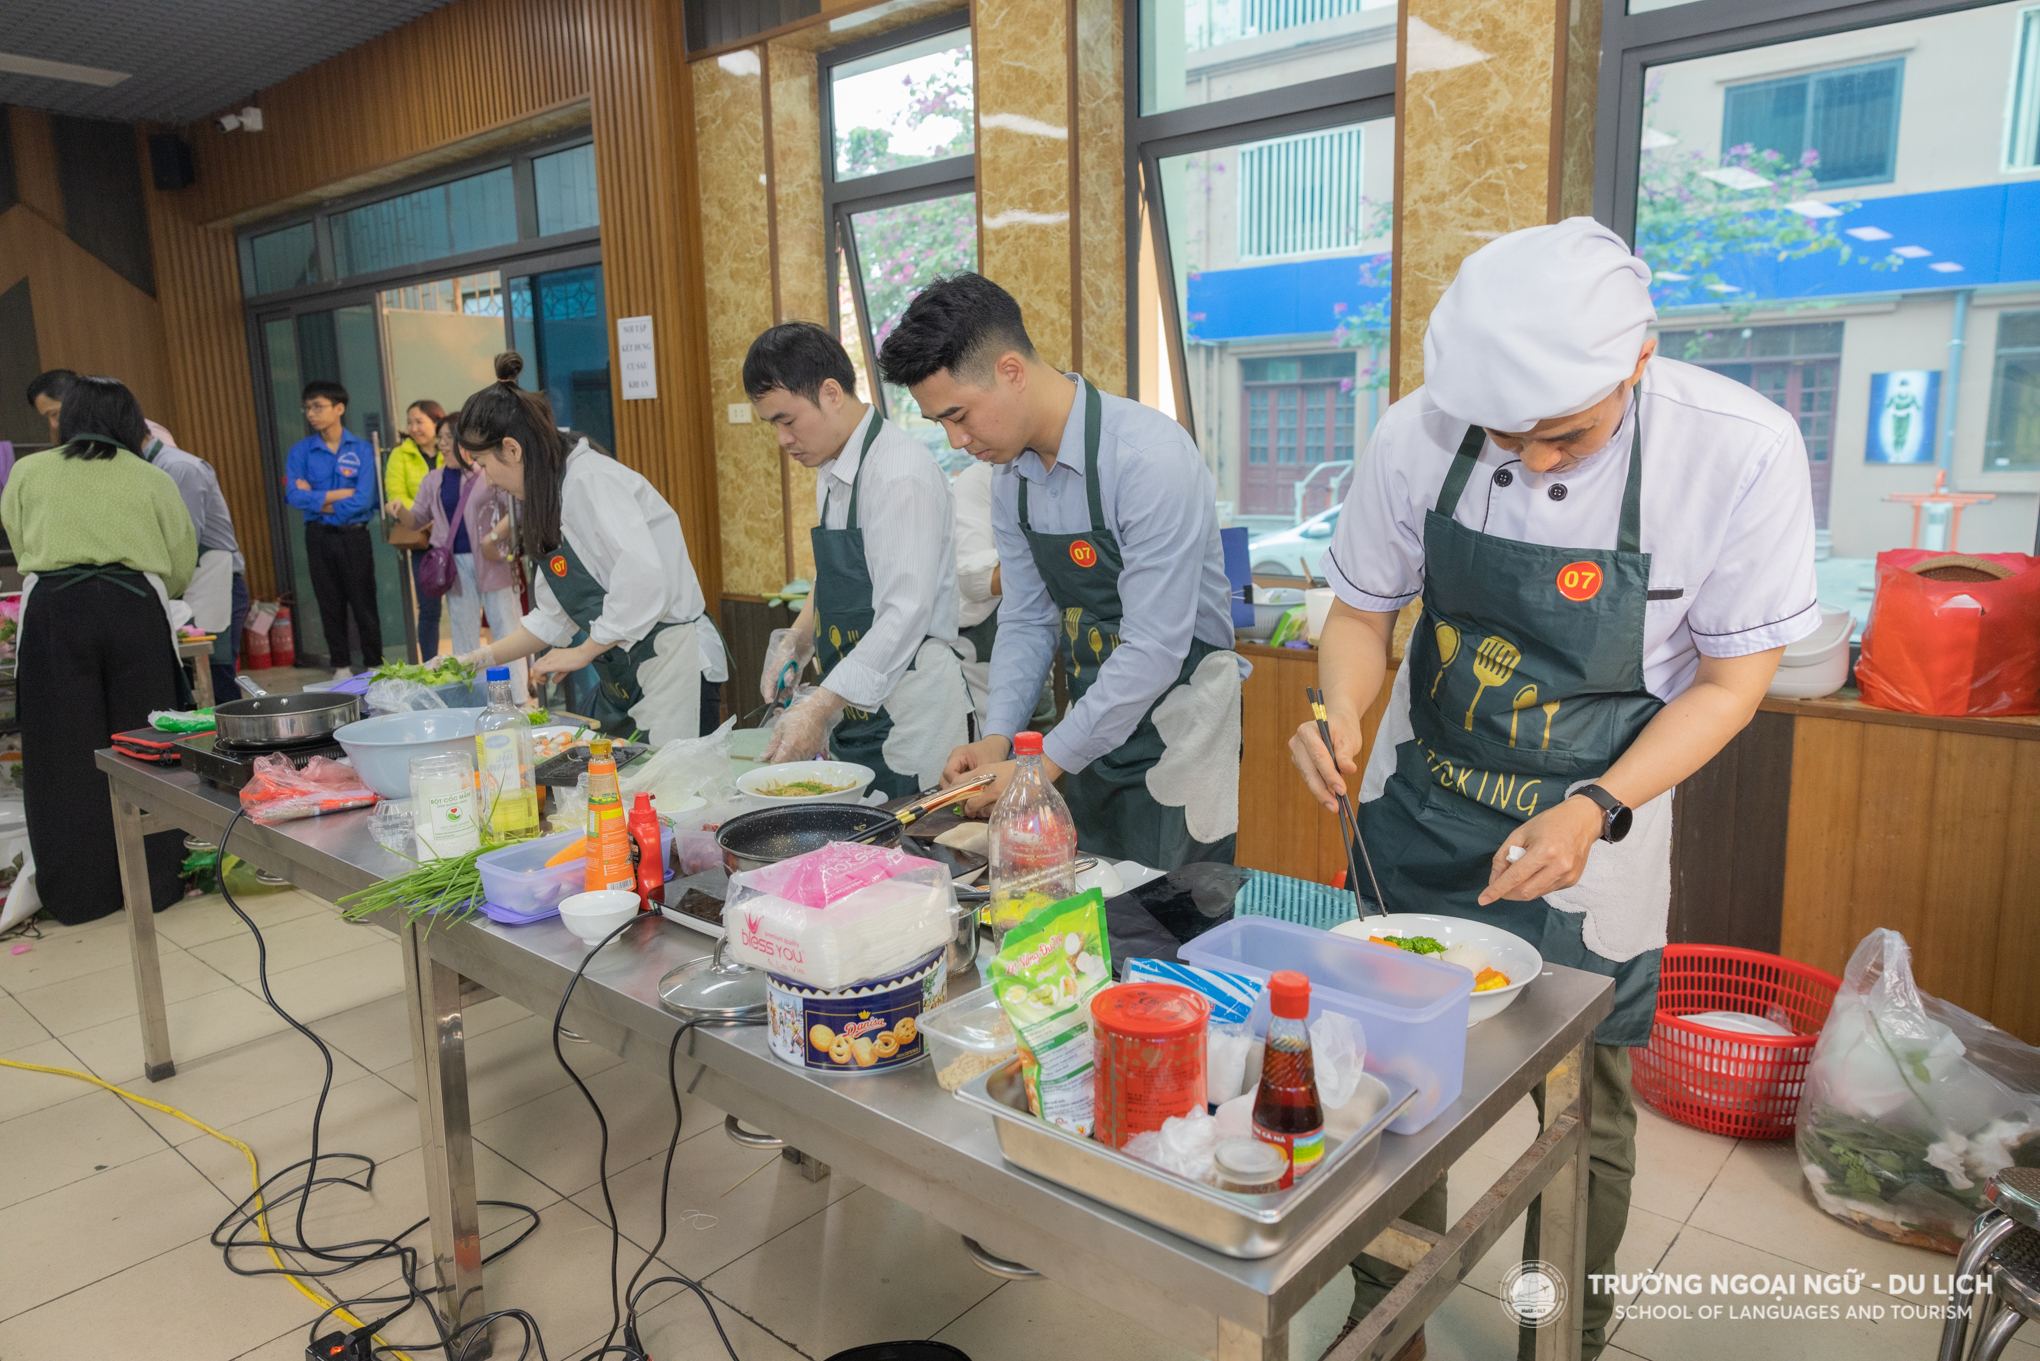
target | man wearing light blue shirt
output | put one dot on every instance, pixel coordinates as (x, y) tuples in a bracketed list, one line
[(330, 476), (1107, 528)]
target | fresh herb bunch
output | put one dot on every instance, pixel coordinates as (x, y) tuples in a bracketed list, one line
[(444, 891), (439, 671)]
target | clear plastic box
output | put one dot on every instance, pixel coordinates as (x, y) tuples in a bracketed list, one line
[(516, 878), (1412, 1008), (968, 1035)]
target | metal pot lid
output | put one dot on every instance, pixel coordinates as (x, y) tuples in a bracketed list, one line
[(714, 989)]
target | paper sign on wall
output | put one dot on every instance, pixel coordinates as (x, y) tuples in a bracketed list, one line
[(634, 353)]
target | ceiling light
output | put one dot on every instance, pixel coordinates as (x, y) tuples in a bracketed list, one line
[(15, 64), (1669, 277), (1911, 252), (1737, 178), (1653, 139), (1724, 288), (1868, 233), (1813, 207), (1945, 267)]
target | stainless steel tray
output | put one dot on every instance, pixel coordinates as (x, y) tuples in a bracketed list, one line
[(1236, 1225)]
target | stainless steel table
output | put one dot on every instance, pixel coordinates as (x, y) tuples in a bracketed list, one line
[(904, 1136)]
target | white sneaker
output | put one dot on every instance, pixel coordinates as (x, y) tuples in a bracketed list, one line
[(341, 673)]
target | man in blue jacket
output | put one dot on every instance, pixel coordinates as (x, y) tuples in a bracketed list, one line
[(330, 476)]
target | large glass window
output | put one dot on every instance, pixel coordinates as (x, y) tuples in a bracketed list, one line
[(462, 215), (900, 192), (564, 184), (2022, 127), (558, 322), (1281, 251), (282, 259), (903, 107), (2014, 437), (1877, 174), (1205, 51), (442, 337)]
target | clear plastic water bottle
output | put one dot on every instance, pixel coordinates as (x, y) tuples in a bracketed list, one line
[(1034, 842), (503, 760)]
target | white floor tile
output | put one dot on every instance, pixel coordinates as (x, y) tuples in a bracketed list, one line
[(312, 992), (365, 1116), (22, 1092), (1675, 1164), (674, 1326), (289, 945), (865, 1269), (109, 994), (91, 1229), (1022, 1320), (198, 1026), (375, 1034), (514, 1064), (232, 1085), (60, 1145), (557, 1139), (18, 1027), (198, 920), (65, 952)]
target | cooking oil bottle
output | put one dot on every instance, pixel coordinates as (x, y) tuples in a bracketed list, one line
[(503, 759)]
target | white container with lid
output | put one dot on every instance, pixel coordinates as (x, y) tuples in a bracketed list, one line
[(1818, 664), (968, 1035)]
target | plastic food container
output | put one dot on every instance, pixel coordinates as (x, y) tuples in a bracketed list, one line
[(516, 882), (1150, 1062), (968, 1035), (870, 1028), (1413, 1009), (1818, 664)]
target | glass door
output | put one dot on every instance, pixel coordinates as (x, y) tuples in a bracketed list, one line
[(338, 344), (559, 323)]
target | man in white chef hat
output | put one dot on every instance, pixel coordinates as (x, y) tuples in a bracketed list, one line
[(1613, 550)]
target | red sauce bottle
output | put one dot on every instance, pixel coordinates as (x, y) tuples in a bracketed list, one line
[(1286, 1109), (643, 826)]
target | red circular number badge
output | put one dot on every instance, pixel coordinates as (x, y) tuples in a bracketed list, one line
[(1579, 580), (558, 564), (1082, 554)]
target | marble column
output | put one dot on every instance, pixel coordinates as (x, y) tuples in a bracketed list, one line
[(1494, 132)]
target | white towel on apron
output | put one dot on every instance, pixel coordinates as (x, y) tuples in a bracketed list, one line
[(671, 681), (211, 591), (930, 710)]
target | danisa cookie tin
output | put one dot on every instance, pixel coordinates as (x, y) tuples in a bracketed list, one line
[(869, 1028)]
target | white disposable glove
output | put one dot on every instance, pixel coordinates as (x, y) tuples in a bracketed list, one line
[(803, 731), (785, 645), (481, 659)]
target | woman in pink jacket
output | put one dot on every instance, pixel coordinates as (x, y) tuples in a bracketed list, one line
[(484, 544)]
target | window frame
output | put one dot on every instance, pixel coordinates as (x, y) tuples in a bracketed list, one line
[(1264, 115), (320, 215), (1811, 80), (1998, 353), (2023, 101), (842, 200)]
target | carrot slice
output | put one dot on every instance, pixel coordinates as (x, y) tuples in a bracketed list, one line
[(577, 849)]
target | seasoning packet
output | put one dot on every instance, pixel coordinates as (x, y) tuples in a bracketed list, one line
[(1044, 978)]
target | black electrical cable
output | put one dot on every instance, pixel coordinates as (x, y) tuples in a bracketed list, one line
[(227, 1235)]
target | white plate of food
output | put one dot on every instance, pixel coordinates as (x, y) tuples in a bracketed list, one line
[(792, 782), (1473, 946)]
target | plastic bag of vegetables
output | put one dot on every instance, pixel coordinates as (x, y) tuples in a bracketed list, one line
[(1911, 1104)]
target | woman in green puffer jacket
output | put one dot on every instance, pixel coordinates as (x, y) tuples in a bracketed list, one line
[(409, 461)]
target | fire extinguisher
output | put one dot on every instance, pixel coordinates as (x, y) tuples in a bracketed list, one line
[(255, 649), (282, 641)]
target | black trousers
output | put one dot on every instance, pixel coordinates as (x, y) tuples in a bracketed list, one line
[(428, 612), (226, 652), (95, 659), (343, 580)]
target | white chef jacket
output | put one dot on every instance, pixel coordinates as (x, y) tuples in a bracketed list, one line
[(630, 541), (909, 521), (1727, 515), (977, 549), (1727, 519)]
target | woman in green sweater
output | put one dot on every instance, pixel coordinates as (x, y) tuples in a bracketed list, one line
[(104, 539)]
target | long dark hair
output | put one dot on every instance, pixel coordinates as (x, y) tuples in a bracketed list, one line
[(503, 411), (100, 417)]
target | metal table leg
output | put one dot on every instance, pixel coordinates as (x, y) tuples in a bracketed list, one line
[(1562, 1218), (1237, 1344), (141, 922), (439, 1059)]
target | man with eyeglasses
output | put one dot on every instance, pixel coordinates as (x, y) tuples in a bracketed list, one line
[(330, 476)]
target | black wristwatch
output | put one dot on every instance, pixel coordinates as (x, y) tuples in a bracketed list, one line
[(1615, 814)]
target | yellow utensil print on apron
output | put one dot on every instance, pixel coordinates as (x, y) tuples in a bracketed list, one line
[(1550, 710), (835, 638), (1493, 663), (1070, 618), (1448, 650), (1097, 640), (1525, 698)]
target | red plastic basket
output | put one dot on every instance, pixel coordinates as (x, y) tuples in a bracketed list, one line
[(1722, 1081)]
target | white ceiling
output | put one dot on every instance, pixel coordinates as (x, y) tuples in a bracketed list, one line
[(184, 58)]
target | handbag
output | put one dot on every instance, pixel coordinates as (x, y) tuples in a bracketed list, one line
[(401, 535), (436, 572)]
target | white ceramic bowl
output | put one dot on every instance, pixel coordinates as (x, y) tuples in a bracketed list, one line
[(592, 916), (855, 779), (1506, 951), (381, 747)]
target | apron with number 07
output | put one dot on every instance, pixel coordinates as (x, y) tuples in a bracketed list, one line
[(1525, 677)]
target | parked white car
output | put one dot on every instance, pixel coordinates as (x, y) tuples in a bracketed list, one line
[(1282, 553)]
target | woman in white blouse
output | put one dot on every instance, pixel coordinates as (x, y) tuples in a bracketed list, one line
[(608, 558)]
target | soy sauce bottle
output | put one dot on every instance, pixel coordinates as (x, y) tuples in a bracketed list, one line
[(1287, 1113)]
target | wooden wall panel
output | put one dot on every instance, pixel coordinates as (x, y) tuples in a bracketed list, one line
[(1962, 840), (35, 163), (2015, 1002), (648, 187), (1729, 828), (428, 87), (87, 317), (1820, 861)]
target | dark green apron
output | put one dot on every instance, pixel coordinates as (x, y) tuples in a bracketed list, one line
[(843, 613), (983, 634), (1526, 676), (1116, 816), (582, 596)]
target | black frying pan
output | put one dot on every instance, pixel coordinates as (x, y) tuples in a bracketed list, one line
[(264, 719), (754, 840)]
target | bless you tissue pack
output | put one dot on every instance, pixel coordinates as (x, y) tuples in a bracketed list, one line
[(839, 915)]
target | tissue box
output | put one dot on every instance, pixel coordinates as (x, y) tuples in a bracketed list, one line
[(873, 930)]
